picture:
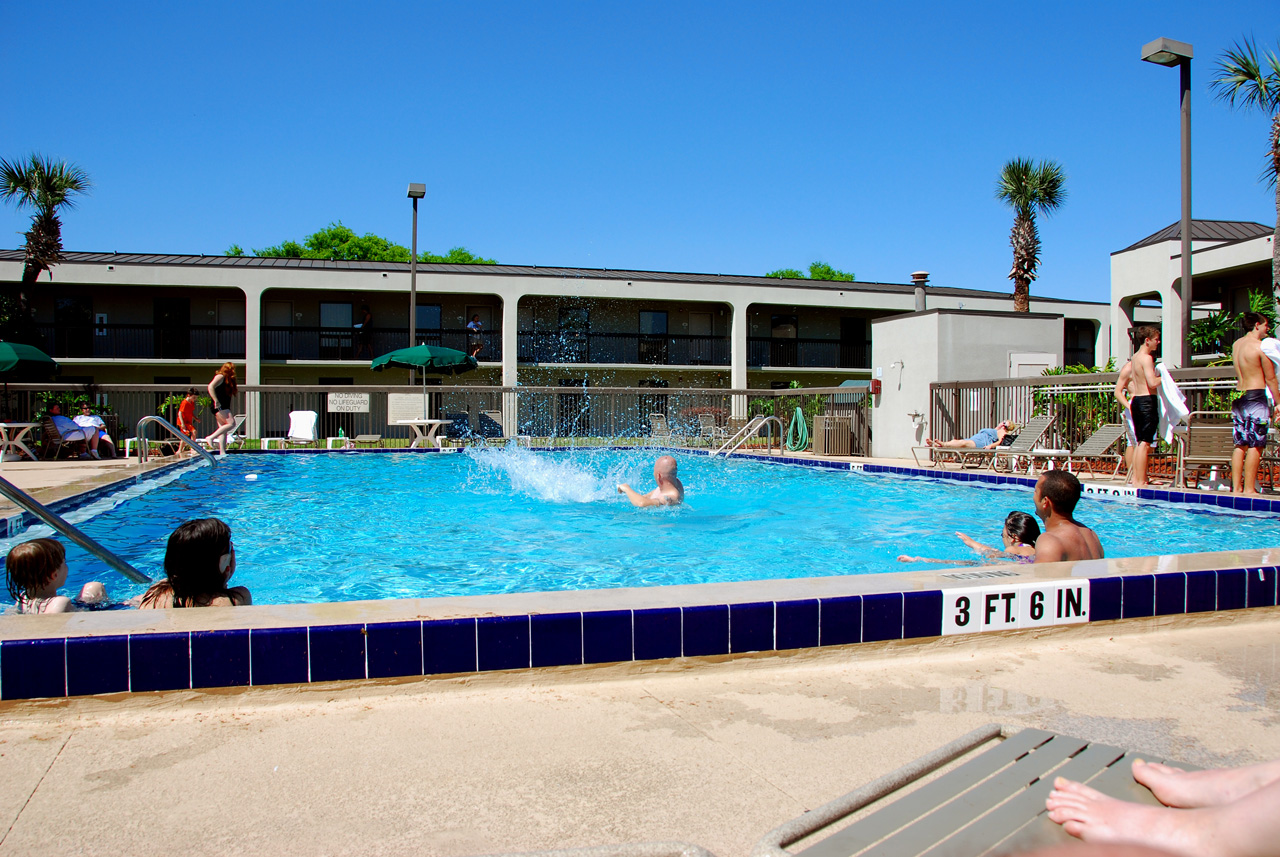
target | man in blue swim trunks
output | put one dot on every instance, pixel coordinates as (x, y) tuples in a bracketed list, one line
[(987, 438), (1250, 413)]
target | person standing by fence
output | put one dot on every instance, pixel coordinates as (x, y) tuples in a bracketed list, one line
[(1138, 397), (1250, 416), (222, 389)]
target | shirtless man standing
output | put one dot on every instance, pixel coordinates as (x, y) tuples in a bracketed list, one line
[(1064, 538), (670, 491), (1142, 403), (1255, 373)]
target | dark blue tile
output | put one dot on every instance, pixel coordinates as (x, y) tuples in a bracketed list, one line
[(797, 624), (1171, 594), (922, 614), (1202, 591), (1104, 598), (657, 633), (606, 636), (395, 649), (841, 621), (97, 665), (1261, 588), (706, 630), (449, 646), (882, 617), (278, 655), (1138, 596), (556, 639), (220, 658), (751, 627), (336, 652), (159, 661), (31, 669), (1231, 589), (502, 642)]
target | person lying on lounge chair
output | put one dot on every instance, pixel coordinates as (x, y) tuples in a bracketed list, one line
[(987, 438)]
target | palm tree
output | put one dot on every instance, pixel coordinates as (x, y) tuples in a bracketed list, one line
[(1247, 79), (45, 185), (1029, 189)]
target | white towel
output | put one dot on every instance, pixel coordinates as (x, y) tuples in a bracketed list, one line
[(1271, 348), (1173, 405)]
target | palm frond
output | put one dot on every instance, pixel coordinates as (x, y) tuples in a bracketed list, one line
[(1246, 77)]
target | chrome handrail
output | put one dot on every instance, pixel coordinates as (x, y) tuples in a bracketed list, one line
[(745, 433), (177, 432), (26, 501)]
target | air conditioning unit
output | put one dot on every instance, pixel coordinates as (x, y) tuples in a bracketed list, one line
[(832, 435)]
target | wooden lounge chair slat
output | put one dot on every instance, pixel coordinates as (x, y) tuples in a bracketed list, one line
[(884, 821), (977, 802)]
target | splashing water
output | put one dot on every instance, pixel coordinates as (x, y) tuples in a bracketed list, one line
[(557, 478)]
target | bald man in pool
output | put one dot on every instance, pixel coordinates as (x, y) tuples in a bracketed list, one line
[(670, 491)]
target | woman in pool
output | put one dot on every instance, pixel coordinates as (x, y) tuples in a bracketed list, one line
[(221, 389), (1019, 536), (198, 564)]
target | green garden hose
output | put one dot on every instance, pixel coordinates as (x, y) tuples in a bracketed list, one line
[(798, 432)]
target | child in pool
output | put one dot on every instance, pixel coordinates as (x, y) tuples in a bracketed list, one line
[(35, 570), (1019, 536), (198, 563)]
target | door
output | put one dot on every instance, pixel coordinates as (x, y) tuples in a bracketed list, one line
[(335, 331), (277, 336), (572, 346), (782, 340), (172, 327), (652, 347), (853, 344), (230, 335), (73, 327), (701, 346)]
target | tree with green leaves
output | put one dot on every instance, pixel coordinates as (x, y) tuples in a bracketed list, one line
[(1029, 189), (44, 185), (337, 241), (1249, 78), (817, 271)]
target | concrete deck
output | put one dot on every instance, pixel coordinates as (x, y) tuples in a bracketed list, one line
[(716, 753)]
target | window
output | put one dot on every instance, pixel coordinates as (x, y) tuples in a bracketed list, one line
[(784, 327), (428, 317), (653, 321)]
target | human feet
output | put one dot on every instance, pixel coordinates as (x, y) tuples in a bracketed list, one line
[(1187, 789), (1088, 814)]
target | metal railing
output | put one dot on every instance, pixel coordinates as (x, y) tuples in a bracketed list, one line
[(751, 429), (807, 353), (657, 349), (196, 341), (346, 343), (173, 430)]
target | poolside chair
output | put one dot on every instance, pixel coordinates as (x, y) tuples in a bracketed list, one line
[(490, 425), (367, 440), (992, 803), (54, 443), (235, 440), (1094, 448), (710, 431), (1028, 437), (302, 429), (659, 431), (1208, 443)]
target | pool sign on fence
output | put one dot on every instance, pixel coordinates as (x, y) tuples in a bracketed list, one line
[(1016, 605), (348, 403)]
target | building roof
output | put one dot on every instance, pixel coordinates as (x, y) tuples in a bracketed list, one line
[(1205, 230), (520, 271)]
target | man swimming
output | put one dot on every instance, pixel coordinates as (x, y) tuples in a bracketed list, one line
[(1250, 416), (670, 491), (1064, 538)]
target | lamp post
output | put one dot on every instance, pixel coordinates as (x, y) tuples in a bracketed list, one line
[(416, 192), (1167, 52)]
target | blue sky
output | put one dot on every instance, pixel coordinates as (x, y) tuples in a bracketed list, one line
[(711, 137)]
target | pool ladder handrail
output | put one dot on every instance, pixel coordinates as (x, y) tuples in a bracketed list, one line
[(751, 429), (175, 431), (32, 505)]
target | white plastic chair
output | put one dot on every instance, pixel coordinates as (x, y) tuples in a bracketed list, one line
[(302, 429)]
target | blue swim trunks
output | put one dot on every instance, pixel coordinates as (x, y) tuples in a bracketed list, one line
[(986, 437)]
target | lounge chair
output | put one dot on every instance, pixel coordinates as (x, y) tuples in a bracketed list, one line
[(235, 439), (1029, 437), (659, 431), (302, 429), (367, 440), (54, 443), (710, 431), (490, 424), (992, 803), (1208, 443), (1097, 446)]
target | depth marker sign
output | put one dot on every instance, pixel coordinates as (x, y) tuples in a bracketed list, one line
[(1016, 605)]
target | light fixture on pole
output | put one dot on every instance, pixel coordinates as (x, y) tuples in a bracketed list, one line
[(1167, 52), (416, 192)]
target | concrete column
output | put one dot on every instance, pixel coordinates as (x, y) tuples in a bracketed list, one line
[(252, 359), (738, 358), (510, 346), (1172, 334)]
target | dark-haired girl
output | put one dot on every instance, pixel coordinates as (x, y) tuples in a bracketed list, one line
[(198, 563), (1019, 536)]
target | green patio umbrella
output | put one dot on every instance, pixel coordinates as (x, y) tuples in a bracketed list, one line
[(20, 362), (432, 359)]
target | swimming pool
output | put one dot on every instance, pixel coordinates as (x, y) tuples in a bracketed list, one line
[(362, 526)]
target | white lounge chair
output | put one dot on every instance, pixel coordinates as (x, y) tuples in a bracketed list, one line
[(235, 439), (302, 429)]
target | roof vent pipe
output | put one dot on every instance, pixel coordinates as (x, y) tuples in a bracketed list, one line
[(920, 279)]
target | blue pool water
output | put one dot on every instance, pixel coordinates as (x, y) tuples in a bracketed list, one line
[(343, 527)]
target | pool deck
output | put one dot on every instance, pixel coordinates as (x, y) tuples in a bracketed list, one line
[(711, 751)]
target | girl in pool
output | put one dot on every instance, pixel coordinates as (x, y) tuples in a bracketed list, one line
[(35, 570), (1019, 536), (198, 564)]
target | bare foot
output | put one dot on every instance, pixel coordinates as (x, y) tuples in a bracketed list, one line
[(1088, 814), (1188, 789)]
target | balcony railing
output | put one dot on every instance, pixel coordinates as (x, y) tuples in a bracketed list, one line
[(122, 341), (345, 343), (807, 353), (636, 348)]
